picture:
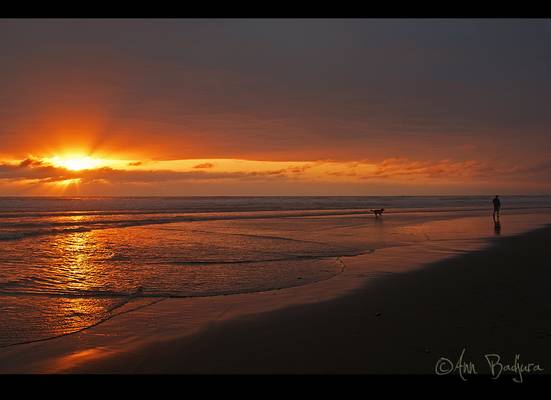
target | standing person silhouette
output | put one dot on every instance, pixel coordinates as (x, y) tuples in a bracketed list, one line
[(497, 207)]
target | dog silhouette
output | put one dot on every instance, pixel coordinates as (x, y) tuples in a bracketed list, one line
[(378, 211)]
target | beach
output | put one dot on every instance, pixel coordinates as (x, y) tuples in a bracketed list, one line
[(395, 310), (275, 196), (492, 301)]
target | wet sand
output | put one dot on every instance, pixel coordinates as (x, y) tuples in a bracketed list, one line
[(487, 300)]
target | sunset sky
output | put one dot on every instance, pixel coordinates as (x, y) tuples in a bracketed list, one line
[(275, 107)]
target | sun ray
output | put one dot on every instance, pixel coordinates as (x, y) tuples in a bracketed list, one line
[(76, 163)]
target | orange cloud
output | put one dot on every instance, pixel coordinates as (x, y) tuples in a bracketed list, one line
[(395, 172), (451, 170), (204, 166)]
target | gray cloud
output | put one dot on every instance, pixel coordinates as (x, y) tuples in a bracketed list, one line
[(281, 88)]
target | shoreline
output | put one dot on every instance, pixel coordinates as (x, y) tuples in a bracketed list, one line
[(284, 331)]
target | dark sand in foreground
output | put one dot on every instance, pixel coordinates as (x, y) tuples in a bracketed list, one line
[(494, 300)]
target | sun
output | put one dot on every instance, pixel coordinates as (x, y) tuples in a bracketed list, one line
[(76, 163)]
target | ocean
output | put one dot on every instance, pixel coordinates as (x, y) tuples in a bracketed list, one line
[(69, 263)]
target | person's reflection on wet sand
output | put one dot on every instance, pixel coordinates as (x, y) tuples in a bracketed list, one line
[(497, 227), (497, 208)]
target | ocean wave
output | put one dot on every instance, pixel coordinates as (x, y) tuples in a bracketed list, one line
[(17, 289), (107, 205), (18, 229)]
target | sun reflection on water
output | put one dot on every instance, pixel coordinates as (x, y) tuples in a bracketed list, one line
[(75, 270)]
